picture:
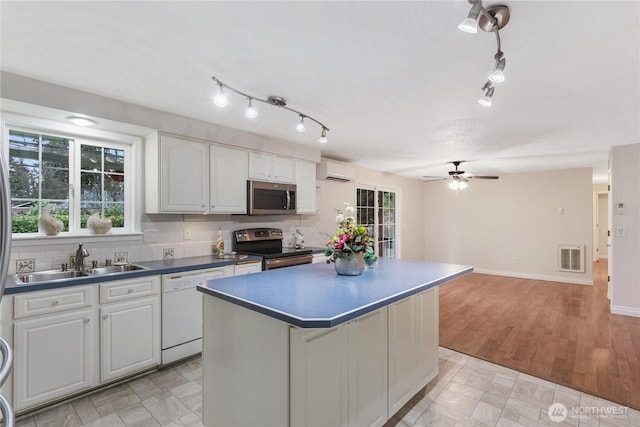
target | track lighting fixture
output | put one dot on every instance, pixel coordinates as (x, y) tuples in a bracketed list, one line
[(485, 101), (470, 24), (497, 76), (251, 112), (493, 18), (323, 136), (221, 100)]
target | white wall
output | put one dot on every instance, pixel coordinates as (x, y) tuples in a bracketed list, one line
[(512, 226), (625, 230)]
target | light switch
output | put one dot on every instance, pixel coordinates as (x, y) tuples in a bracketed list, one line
[(187, 234)]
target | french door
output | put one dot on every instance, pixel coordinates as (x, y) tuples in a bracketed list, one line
[(376, 209)]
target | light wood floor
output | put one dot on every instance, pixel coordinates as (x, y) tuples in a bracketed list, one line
[(560, 332)]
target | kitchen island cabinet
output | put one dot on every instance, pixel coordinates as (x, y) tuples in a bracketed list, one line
[(304, 346)]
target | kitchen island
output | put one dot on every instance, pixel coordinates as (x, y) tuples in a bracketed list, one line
[(304, 346)]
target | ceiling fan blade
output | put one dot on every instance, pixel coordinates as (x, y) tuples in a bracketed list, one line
[(484, 177), (433, 178)]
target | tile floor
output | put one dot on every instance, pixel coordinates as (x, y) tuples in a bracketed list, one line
[(467, 392)]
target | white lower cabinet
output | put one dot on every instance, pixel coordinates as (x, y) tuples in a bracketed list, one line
[(413, 346), (339, 375), (130, 337), (69, 340), (55, 356), (318, 379), (130, 327)]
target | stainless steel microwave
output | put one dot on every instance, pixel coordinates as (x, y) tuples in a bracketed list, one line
[(269, 198)]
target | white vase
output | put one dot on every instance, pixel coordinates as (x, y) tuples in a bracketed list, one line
[(49, 224), (98, 225)]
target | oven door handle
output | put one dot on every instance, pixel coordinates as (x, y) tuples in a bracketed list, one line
[(288, 200), (287, 261)]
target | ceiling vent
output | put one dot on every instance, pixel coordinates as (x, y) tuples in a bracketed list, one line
[(336, 171)]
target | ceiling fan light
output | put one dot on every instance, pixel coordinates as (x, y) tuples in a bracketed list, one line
[(454, 185), (220, 99), (462, 185)]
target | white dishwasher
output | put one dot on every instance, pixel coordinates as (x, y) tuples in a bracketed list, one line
[(182, 312)]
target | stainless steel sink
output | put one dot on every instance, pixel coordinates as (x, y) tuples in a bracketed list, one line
[(57, 275), (114, 269), (48, 276)]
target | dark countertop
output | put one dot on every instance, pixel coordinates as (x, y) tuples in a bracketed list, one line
[(314, 296), (168, 266)]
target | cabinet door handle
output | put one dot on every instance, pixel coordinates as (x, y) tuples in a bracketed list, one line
[(56, 301), (202, 206), (87, 320), (130, 290), (106, 316)]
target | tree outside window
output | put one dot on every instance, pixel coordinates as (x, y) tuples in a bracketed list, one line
[(41, 173)]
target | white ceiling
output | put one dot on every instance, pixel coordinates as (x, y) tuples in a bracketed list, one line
[(396, 82)]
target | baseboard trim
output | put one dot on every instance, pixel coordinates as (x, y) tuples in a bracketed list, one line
[(625, 311), (561, 279)]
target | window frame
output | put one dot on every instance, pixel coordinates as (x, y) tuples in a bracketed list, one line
[(132, 145)]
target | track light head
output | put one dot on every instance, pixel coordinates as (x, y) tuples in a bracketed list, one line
[(485, 101), (470, 23), (497, 76), (323, 136), (300, 127), (220, 99), (251, 112)]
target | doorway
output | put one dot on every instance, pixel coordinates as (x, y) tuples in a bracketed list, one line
[(602, 226)]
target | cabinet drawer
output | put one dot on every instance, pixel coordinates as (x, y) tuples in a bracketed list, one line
[(127, 289), (46, 302)]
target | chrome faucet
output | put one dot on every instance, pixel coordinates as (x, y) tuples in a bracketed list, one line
[(81, 254)]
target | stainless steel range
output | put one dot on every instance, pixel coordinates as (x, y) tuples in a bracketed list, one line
[(267, 243)]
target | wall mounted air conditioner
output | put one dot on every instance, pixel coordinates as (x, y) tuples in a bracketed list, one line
[(336, 171)]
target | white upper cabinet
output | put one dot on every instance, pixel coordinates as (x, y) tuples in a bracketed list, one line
[(228, 186), (267, 167), (188, 176), (305, 187)]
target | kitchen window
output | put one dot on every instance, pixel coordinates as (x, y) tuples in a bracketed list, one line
[(376, 209), (74, 175)]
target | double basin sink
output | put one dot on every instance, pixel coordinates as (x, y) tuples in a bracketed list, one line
[(56, 275)]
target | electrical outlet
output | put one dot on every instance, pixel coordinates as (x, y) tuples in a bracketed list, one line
[(150, 236), (186, 234)]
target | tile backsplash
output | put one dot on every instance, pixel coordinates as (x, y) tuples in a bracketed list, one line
[(31, 258), (48, 257)]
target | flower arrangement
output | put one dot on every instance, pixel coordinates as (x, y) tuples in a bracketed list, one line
[(350, 238)]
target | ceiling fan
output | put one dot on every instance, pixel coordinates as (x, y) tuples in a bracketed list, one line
[(459, 178)]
